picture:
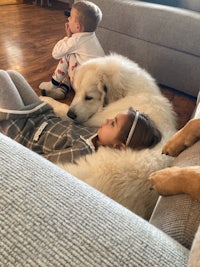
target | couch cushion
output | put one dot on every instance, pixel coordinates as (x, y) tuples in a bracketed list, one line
[(161, 25), (50, 218), (188, 4)]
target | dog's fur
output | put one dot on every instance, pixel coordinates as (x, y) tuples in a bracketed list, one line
[(177, 180), (105, 87)]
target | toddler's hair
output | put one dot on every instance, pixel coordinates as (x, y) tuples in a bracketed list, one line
[(89, 15), (145, 134)]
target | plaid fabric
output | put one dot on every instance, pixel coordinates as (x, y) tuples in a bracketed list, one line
[(38, 128)]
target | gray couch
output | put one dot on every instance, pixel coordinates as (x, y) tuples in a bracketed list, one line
[(164, 40), (50, 218)]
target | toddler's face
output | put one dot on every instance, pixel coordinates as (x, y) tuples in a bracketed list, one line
[(73, 23)]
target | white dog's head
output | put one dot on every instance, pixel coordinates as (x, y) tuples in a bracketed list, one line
[(90, 95), (93, 84)]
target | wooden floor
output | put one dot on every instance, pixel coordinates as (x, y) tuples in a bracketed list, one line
[(27, 36), (28, 33)]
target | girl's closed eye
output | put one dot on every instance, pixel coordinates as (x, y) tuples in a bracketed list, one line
[(114, 122), (108, 133)]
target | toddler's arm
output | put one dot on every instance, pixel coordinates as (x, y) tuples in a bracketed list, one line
[(63, 46)]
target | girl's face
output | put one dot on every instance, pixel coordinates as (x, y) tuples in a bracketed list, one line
[(108, 133), (74, 25)]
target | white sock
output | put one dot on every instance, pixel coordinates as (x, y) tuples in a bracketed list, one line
[(58, 93), (47, 86)]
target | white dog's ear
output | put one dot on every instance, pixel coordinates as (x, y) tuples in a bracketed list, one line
[(104, 88), (105, 102)]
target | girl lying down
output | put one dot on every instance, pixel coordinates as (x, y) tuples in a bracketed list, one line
[(32, 123)]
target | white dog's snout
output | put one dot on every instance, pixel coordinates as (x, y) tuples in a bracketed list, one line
[(71, 114)]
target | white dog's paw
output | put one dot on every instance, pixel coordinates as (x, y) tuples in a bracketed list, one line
[(60, 109), (48, 100)]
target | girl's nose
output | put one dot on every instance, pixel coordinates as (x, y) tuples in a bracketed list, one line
[(110, 121), (106, 122)]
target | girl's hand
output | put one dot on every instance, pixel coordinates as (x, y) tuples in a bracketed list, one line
[(67, 30)]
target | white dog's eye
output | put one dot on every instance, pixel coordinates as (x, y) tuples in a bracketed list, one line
[(87, 98)]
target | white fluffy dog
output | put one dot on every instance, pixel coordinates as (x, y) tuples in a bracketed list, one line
[(103, 88)]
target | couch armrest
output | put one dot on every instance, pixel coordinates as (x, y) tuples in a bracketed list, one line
[(179, 215), (50, 218), (194, 258)]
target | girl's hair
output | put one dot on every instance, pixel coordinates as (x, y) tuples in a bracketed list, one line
[(89, 15), (145, 133)]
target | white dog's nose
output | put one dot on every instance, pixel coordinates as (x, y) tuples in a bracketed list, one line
[(71, 115)]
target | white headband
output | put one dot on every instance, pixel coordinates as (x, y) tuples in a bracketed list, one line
[(132, 127)]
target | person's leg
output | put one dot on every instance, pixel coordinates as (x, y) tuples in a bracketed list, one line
[(9, 95), (61, 71), (26, 92), (73, 63), (56, 88), (58, 75)]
